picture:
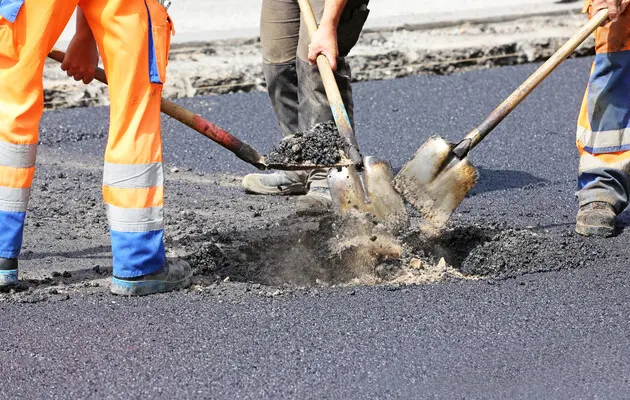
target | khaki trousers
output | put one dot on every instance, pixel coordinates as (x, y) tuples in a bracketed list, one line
[(295, 88)]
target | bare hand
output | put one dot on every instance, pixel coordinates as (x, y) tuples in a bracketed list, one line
[(81, 58), (324, 42), (615, 7)]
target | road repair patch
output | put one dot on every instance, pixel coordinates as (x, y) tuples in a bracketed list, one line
[(235, 241)]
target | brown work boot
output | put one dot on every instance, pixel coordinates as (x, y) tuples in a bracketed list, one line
[(278, 183), (316, 202), (176, 274), (596, 219)]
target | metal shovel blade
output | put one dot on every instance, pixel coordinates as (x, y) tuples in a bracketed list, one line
[(435, 181), (379, 197)]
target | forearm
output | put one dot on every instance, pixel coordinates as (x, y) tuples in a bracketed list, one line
[(83, 29), (81, 56), (332, 13)]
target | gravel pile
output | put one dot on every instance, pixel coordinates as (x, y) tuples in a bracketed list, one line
[(320, 145), (513, 252)]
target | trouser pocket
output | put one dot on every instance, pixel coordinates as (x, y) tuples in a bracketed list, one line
[(351, 24), (161, 28), (8, 37)]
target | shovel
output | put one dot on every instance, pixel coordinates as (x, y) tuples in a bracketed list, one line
[(217, 134), (440, 175), (366, 185)]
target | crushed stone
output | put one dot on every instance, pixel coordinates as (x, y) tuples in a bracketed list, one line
[(320, 145), (514, 252)]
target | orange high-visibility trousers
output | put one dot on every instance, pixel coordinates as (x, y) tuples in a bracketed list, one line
[(133, 38)]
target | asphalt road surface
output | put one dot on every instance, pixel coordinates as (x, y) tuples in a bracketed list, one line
[(558, 331)]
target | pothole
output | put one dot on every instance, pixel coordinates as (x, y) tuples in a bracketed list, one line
[(359, 251)]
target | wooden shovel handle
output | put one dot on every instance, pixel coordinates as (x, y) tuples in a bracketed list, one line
[(332, 91), (499, 114), (213, 132)]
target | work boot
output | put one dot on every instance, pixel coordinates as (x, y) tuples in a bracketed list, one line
[(316, 202), (8, 272), (278, 183), (176, 274), (596, 219)]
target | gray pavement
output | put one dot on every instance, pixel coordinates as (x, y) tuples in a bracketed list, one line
[(556, 334)]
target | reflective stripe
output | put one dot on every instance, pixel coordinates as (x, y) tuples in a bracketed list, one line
[(617, 161), (17, 155), (14, 199), (620, 161), (133, 175), (589, 162), (604, 142), (135, 219)]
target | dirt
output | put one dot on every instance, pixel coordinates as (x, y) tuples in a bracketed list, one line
[(319, 145), (357, 250), (227, 66)]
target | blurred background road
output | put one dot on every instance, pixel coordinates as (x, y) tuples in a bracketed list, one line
[(223, 19)]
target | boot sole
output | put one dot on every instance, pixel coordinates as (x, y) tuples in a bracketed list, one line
[(312, 208), (312, 212), (123, 287), (8, 277), (595, 231)]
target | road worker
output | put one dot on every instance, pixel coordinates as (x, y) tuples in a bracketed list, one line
[(295, 88), (603, 134), (133, 37)]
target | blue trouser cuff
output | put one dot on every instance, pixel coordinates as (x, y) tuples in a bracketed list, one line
[(137, 253), (11, 233)]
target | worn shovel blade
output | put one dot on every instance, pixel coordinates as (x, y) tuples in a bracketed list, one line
[(346, 190), (386, 204), (379, 198), (435, 181)]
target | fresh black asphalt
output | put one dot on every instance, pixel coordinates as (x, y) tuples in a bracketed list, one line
[(561, 334)]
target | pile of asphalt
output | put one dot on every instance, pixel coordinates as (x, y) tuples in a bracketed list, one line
[(515, 252), (320, 145)]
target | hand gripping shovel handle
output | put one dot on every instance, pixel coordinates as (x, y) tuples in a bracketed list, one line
[(241, 149), (332, 91), (499, 114)]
